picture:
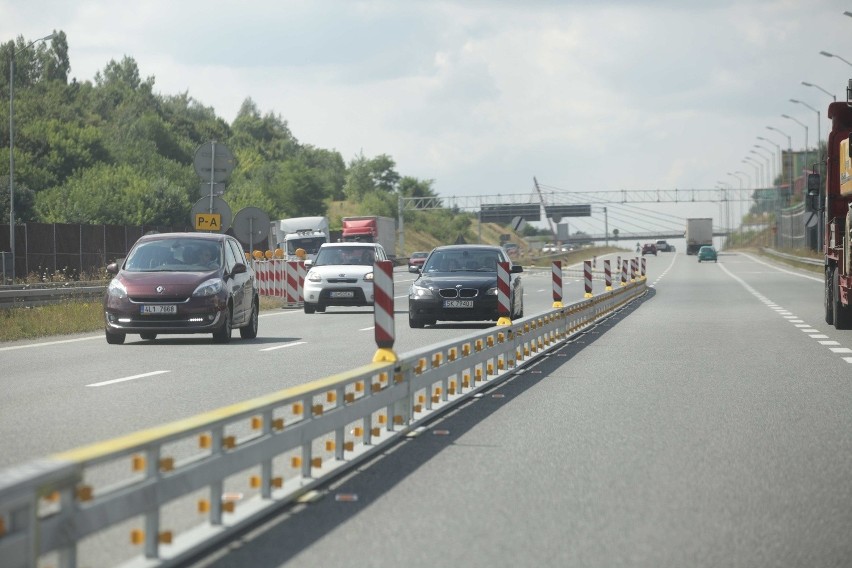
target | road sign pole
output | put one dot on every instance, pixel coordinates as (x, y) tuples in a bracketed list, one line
[(212, 170)]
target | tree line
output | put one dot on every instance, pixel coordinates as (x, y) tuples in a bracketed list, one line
[(112, 151)]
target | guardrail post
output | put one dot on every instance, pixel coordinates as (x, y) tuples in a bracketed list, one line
[(503, 282), (216, 486), (152, 518), (556, 272), (266, 465), (383, 314)]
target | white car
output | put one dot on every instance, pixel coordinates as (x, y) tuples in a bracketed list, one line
[(341, 275)]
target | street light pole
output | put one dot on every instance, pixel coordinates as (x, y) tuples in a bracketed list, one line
[(768, 161), (806, 134), (758, 169), (12, 145), (779, 155), (827, 54), (790, 153), (773, 174), (832, 95)]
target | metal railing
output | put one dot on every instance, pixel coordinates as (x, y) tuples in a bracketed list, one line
[(276, 448), (44, 294)]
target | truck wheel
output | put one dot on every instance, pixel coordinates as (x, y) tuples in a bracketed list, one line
[(828, 299), (842, 314)]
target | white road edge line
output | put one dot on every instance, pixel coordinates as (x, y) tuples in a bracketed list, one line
[(133, 378), (283, 346), (47, 343)]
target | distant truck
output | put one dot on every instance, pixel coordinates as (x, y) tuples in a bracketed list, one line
[(371, 229), (306, 233), (699, 233)]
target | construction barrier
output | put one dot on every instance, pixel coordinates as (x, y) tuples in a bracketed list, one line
[(587, 277), (556, 277), (607, 276)]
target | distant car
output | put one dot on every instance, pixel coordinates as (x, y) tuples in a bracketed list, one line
[(663, 246), (649, 248), (707, 253), (511, 249), (182, 283), (416, 260), (459, 283), (341, 275)]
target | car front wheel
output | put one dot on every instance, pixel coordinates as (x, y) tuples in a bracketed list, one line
[(115, 338), (223, 334)]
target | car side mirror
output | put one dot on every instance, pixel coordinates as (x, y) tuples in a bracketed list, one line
[(309, 263), (112, 268), (814, 190), (517, 268), (239, 268)]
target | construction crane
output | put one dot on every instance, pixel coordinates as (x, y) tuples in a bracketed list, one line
[(550, 222)]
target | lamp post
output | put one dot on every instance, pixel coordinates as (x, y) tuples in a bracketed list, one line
[(827, 54), (806, 133), (745, 174), (832, 95), (819, 133), (758, 169), (790, 152), (765, 160), (779, 155), (773, 174), (12, 145)]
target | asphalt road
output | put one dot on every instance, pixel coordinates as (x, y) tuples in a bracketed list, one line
[(63, 392), (707, 425)]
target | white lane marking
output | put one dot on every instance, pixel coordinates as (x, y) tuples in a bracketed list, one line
[(367, 328), (123, 379), (281, 312), (283, 346), (664, 272), (47, 343), (813, 333)]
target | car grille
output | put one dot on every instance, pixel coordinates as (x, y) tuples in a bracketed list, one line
[(458, 292), (157, 300), (342, 280)]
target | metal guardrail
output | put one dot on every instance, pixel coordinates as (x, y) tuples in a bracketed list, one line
[(44, 294), (801, 259), (277, 448)]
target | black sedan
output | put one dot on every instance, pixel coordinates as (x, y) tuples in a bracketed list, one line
[(459, 283)]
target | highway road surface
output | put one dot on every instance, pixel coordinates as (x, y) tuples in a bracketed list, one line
[(705, 425)]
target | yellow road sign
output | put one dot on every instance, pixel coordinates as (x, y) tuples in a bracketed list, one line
[(208, 222)]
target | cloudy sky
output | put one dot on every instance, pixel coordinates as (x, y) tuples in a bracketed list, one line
[(484, 95)]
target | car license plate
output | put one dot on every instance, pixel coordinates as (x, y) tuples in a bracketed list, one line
[(158, 309), (458, 303), (344, 294)]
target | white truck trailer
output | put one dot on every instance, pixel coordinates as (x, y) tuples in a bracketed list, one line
[(306, 233), (699, 233)]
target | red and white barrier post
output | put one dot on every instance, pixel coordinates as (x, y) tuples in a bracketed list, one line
[(291, 284), (624, 273), (607, 276), (557, 283), (385, 331), (503, 281), (587, 277), (642, 273), (633, 268)]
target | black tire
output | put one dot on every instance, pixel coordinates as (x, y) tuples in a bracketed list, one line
[(828, 296), (223, 334), (842, 314), (415, 322), (310, 308), (249, 330), (320, 308), (115, 338), (148, 336)]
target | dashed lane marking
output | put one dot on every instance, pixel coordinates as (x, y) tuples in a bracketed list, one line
[(293, 344), (812, 332), (124, 379)]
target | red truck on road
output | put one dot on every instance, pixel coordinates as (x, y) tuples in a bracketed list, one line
[(834, 202)]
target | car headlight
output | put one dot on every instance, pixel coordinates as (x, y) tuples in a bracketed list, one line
[(314, 277), (116, 289), (419, 292), (209, 288), (368, 277), (491, 291)]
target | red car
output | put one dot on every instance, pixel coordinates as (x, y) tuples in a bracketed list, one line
[(416, 260), (649, 248), (182, 283)]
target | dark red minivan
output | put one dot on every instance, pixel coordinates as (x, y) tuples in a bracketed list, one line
[(182, 283)]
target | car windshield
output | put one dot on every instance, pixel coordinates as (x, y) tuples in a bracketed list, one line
[(345, 255), (462, 261), (174, 255)]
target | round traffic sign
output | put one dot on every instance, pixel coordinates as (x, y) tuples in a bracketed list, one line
[(215, 218), (251, 226), (213, 162)]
